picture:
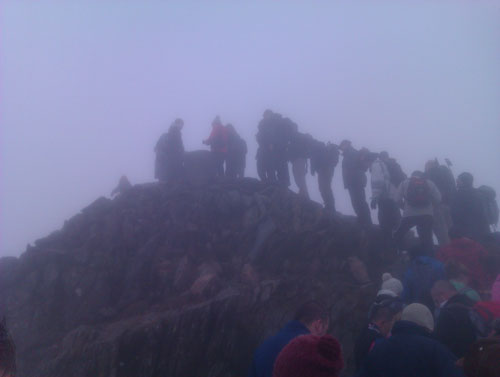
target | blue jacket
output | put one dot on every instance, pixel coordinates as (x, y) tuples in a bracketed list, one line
[(410, 352), (268, 351), (419, 278)]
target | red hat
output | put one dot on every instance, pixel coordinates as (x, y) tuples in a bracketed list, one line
[(310, 356)]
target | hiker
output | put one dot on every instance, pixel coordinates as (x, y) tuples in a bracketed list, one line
[(482, 359), (411, 350), (7, 353), (310, 356), (311, 318), (298, 152), (383, 314), (419, 197), (324, 159), (273, 138), (454, 327), (123, 186), (383, 195), (459, 276), (391, 287), (170, 154), (488, 196), (395, 171), (217, 141), (422, 272), (236, 154), (467, 209), (353, 173)]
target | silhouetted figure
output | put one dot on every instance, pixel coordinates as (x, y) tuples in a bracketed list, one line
[(298, 153), (324, 158), (218, 141), (384, 195), (354, 167), (273, 138), (122, 187), (442, 177), (236, 154), (419, 196), (170, 154), (468, 211)]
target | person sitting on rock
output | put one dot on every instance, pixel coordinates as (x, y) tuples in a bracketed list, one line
[(411, 350), (310, 356), (7, 353), (383, 314), (170, 154), (310, 318)]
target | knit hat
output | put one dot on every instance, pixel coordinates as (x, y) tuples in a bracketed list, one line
[(391, 284), (419, 314), (310, 356)]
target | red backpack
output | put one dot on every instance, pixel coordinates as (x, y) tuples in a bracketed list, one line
[(418, 193)]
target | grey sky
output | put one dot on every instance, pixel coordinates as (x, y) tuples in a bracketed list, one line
[(87, 88)]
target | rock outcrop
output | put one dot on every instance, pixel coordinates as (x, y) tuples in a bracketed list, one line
[(181, 281)]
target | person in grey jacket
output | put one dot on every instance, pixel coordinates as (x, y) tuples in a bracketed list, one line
[(418, 196)]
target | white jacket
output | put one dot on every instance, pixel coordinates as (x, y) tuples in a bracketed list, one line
[(382, 188)]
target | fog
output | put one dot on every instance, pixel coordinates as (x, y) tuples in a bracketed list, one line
[(86, 89)]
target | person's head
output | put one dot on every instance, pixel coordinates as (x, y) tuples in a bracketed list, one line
[(177, 124), (7, 353), (216, 121), (465, 180), (391, 284), (384, 156), (442, 291), (345, 145), (431, 164), (315, 316), (267, 113), (420, 315), (457, 271), (385, 313), (417, 174), (310, 355), (482, 360)]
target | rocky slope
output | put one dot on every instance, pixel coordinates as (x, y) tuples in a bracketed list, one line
[(180, 281)]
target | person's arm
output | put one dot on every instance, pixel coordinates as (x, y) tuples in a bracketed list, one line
[(400, 193)]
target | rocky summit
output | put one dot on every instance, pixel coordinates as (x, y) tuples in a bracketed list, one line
[(183, 280)]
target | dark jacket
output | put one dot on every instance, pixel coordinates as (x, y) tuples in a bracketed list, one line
[(365, 343), (353, 173), (323, 156), (454, 327), (410, 352), (468, 214), (419, 278), (300, 146), (266, 354), (443, 178)]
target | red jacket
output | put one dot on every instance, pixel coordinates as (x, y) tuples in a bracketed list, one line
[(218, 139)]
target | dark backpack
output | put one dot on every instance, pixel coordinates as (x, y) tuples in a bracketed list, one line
[(332, 154), (482, 318), (490, 205), (395, 172), (418, 193)]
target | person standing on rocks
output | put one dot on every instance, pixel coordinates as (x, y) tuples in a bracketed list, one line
[(298, 153), (170, 154), (7, 353), (324, 159), (236, 154), (310, 318), (218, 142), (354, 167)]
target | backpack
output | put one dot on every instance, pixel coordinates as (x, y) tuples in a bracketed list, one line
[(332, 154), (488, 197), (482, 316), (395, 172), (418, 193)]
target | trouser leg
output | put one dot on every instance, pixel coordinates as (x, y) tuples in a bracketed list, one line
[(424, 230), (325, 176), (406, 224), (299, 169), (360, 206)]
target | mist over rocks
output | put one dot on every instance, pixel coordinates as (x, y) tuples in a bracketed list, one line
[(183, 280)]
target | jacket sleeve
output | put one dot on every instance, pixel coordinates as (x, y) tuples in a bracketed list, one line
[(435, 194), (378, 179), (400, 192)]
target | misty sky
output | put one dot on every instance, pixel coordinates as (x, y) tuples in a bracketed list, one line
[(86, 89)]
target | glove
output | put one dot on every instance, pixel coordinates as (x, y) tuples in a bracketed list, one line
[(373, 203)]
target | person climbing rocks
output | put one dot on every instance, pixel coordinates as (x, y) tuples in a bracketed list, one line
[(170, 154), (467, 209), (217, 141), (383, 195), (443, 178), (383, 314), (411, 350), (311, 318), (236, 154), (454, 327), (299, 152), (310, 356), (324, 159), (419, 196), (354, 167)]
